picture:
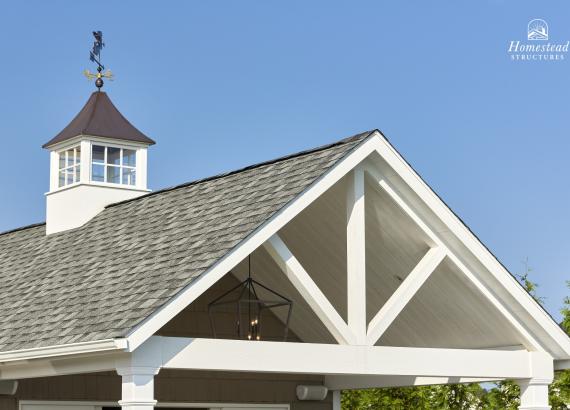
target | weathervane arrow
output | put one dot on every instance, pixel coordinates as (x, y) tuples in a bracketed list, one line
[(95, 56)]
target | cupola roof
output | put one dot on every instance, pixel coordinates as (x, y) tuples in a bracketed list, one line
[(100, 118)]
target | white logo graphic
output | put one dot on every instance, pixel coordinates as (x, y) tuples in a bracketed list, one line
[(538, 46), (537, 29)]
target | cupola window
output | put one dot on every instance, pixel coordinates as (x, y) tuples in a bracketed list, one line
[(69, 166), (113, 165)]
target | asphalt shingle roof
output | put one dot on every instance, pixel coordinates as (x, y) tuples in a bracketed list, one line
[(100, 280)]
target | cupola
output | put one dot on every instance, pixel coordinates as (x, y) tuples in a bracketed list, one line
[(98, 159)]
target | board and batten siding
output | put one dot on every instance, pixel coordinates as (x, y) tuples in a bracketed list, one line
[(173, 386)]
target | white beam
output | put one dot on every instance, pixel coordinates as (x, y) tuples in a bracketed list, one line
[(400, 298), (309, 290), (530, 342), (356, 255), (330, 359), (369, 382)]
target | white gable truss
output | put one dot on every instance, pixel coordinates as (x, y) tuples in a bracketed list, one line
[(449, 237), (356, 360)]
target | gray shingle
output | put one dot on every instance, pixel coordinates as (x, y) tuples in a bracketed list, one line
[(99, 281)]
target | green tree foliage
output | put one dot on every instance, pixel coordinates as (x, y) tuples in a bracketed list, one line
[(503, 396), (559, 393), (444, 397), (566, 312)]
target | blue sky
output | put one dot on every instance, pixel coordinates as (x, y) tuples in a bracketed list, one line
[(222, 84)]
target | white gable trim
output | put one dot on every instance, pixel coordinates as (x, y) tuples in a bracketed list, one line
[(374, 143), (530, 342), (473, 244)]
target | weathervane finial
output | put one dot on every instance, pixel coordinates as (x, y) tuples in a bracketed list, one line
[(95, 56)]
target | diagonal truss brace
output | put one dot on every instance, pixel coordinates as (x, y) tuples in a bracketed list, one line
[(400, 298), (530, 342), (309, 290)]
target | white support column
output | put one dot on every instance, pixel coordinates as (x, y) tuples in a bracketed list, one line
[(534, 390), (137, 371), (137, 388), (336, 396), (54, 170), (356, 255), (534, 394), (85, 161)]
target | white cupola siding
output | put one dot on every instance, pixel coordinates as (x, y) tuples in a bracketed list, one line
[(98, 159)]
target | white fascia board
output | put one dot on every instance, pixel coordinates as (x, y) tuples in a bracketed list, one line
[(62, 365), (63, 350), (332, 359), (160, 317), (473, 244)]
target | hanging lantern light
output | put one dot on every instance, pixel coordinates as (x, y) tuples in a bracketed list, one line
[(249, 309)]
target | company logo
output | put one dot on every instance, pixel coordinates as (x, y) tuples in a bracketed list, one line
[(538, 48), (537, 30)]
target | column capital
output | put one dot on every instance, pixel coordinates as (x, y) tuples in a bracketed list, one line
[(137, 387), (137, 370), (535, 381), (534, 393)]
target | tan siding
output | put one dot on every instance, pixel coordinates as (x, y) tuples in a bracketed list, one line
[(174, 386), (8, 403), (194, 321)]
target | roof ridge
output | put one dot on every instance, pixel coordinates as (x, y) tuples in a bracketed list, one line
[(362, 135), (22, 228)]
